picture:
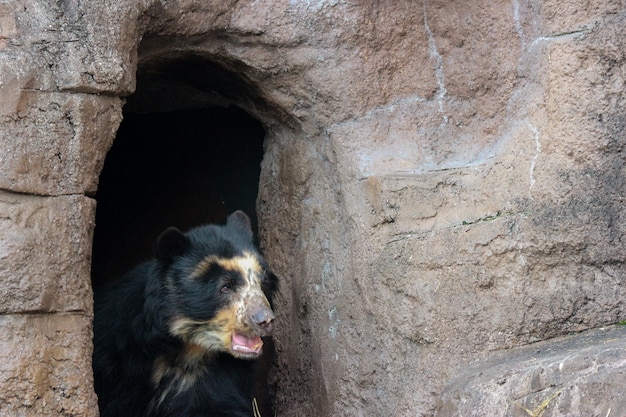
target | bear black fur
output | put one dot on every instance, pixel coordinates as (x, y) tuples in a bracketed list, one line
[(178, 335)]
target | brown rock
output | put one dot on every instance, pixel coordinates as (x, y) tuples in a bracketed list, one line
[(45, 366), (45, 253), (55, 143), (578, 375)]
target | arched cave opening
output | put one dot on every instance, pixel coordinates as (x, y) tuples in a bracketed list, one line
[(185, 154), (178, 168)]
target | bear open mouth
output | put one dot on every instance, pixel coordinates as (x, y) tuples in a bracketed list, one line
[(247, 346)]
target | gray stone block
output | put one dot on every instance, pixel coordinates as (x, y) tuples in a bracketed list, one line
[(578, 375)]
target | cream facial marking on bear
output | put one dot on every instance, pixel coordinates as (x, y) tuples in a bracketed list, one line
[(247, 265), (251, 293), (204, 266), (232, 326)]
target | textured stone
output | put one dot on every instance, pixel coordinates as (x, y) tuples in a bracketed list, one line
[(578, 375), (451, 238), (45, 253), (45, 366), (55, 143), (70, 46)]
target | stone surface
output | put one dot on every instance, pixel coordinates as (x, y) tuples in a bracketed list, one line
[(453, 237), (45, 366), (443, 180), (54, 143), (70, 46), (578, 375), (45, 253)]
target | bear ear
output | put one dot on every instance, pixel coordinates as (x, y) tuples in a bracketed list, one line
[(240, 222), (171, 243)]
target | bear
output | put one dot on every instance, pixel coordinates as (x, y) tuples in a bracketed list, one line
[(179, 334)]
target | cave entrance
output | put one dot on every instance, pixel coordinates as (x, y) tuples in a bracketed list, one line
[(185, 154), (178, 168)]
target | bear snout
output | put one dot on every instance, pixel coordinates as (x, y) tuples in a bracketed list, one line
[(263, 317)]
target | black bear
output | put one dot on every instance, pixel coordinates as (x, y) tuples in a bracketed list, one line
[(178, 334)]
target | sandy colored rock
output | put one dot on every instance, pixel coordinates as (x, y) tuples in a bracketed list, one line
[(45, 366), (451, 240), (45, 253), (71, 46), (55, 143)]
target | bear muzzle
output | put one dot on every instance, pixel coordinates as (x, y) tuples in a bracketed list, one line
[(259, 322), (263, 318)]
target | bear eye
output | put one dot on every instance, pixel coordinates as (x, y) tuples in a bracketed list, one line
[(226, 288)]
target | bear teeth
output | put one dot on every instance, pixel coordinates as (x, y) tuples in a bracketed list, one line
[(246, 345)]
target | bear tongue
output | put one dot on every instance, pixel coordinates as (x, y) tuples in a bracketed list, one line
[(244, 344)]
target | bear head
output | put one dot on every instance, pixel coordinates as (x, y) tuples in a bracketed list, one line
[(219, 288)]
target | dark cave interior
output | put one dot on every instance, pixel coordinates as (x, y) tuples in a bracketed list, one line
[(179, 168), (185, 154)]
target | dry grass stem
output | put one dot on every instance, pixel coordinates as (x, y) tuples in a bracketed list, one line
[(541, 408)]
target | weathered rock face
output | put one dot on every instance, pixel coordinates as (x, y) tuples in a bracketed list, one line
[(580, 375), (442, 180), (46, 365)]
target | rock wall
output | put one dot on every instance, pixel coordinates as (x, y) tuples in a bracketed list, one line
[(442, 181)]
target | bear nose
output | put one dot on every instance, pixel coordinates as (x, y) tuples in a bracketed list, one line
[(263, 317)]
